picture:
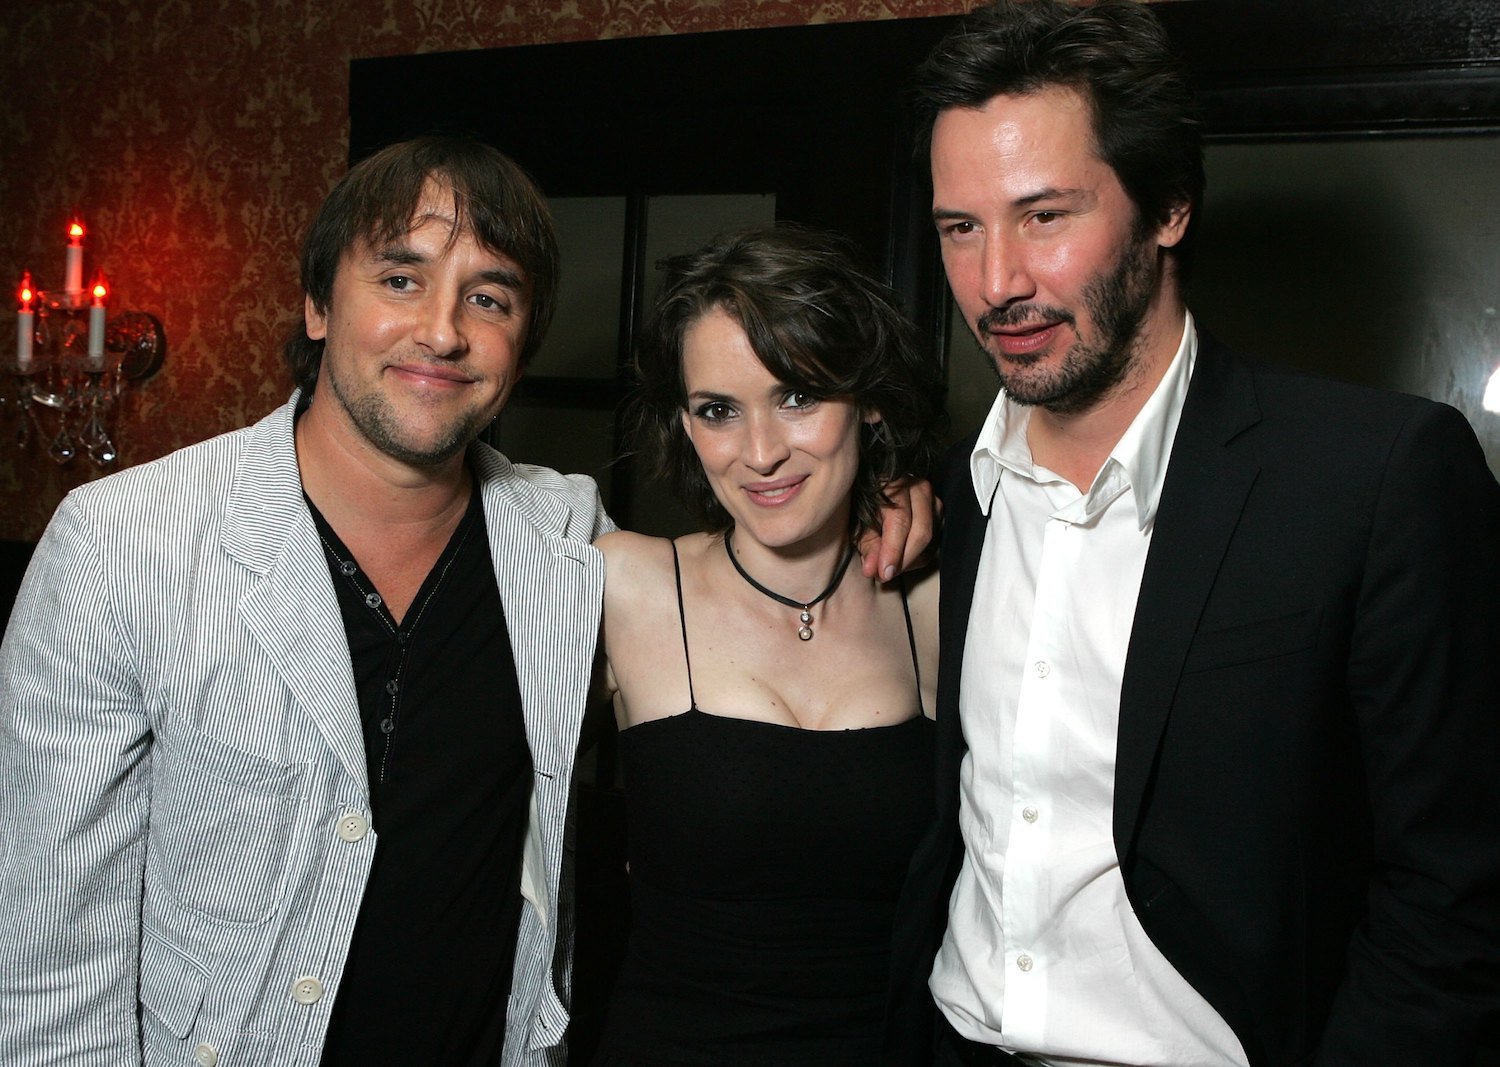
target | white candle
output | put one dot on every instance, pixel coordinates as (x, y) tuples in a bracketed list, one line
[(74, 273), (96, 327), (24, 329), (25, 325)]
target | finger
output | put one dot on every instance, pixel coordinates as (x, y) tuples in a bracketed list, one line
[(923, 518)]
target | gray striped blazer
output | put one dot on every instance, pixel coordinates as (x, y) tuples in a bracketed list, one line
[(183, 801)]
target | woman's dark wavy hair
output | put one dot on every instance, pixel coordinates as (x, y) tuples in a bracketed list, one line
[(1114, 53), (493, 198), (820, 325)]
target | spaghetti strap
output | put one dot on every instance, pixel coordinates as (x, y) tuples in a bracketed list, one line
[(911, 639), (682, 618)]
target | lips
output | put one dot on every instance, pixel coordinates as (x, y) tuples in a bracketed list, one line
[(774, 494), (425, 372), (1024, 341)]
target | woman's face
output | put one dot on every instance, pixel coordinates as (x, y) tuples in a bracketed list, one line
[(780, 461)]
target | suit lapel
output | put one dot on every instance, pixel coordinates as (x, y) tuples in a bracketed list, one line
[(551, 587), (1209, 477), (963, 540), (292, 611)]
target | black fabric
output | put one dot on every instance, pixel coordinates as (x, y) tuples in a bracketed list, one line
[(429, 969), (764, 867), (955, 1050)]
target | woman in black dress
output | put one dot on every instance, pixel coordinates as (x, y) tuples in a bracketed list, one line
[(774, 704)]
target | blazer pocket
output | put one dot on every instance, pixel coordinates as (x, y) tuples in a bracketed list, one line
[(172, 986), (222, 825), (1251, 642)]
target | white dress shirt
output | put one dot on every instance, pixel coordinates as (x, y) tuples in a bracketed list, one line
[(1044, 955)]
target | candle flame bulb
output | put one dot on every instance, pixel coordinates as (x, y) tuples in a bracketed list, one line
[(24, 324), (96, 323), (73, 274)]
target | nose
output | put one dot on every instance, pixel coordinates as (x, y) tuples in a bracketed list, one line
[(439, 328), (1005, 278), (765, 444)]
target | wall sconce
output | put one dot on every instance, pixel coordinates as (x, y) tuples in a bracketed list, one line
[(72, 359)]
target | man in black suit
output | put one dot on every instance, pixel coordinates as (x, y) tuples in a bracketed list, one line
[(1220, 704)]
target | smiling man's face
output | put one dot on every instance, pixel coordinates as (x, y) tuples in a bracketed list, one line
[(422, 338)]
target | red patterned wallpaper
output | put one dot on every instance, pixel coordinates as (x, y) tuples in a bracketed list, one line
[(196, 137)]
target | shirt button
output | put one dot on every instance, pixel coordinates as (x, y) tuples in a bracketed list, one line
[(1023, 961), (1043, 668), (353, 826), (372, 600), (392, 686), (1029, 813), (387, 724), (347, 568), (307, 990), (205, 1056)]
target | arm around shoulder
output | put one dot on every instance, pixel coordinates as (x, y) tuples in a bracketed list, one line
[(74, 794)]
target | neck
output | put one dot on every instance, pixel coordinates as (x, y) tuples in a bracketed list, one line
[(799, 571), (362, 492)]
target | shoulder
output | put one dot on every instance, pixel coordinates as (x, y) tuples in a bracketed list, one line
[(203, 466), (635, 564), (168, 500), (531, 487), (1345, 422)]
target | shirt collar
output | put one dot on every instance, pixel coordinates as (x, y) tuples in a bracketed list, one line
[(1138, 461)]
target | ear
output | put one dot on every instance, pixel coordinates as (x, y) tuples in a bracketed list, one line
[(870, 418), (1170, 232), (317, 321)]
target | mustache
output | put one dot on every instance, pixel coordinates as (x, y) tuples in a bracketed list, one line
[(1021, 314)]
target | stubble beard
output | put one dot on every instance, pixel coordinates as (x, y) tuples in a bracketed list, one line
[(1117, 303), (379, 424)]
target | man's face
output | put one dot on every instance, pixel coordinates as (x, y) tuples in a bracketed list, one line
[(422, 338), (1044, 250)]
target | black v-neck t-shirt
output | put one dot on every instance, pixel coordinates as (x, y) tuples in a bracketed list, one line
[(429, 968)]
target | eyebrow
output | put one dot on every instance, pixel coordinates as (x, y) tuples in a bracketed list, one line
[(698, 395), (1050, 193)]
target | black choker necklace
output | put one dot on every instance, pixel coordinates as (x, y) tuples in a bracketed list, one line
[(806, 618)]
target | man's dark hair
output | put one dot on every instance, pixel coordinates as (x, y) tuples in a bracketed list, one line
[(493, 199), (819, 324), (1117, 56)]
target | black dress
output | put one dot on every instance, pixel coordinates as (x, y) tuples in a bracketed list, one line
[(765, 862)]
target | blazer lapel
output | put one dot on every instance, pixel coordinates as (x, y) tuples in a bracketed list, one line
[(1208, 481), (963, 540), (292, 611), (551, 587)]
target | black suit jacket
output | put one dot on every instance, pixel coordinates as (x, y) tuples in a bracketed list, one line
[(1307, 790)]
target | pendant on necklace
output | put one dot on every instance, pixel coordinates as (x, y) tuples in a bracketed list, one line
[(805, 609)]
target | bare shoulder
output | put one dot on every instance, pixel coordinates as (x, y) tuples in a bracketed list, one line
[(638, 570), (631, 556)]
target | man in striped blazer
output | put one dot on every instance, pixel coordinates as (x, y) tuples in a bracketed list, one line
[(288, 718)]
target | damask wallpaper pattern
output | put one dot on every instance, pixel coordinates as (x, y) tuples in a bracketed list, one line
[(196, 138)]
